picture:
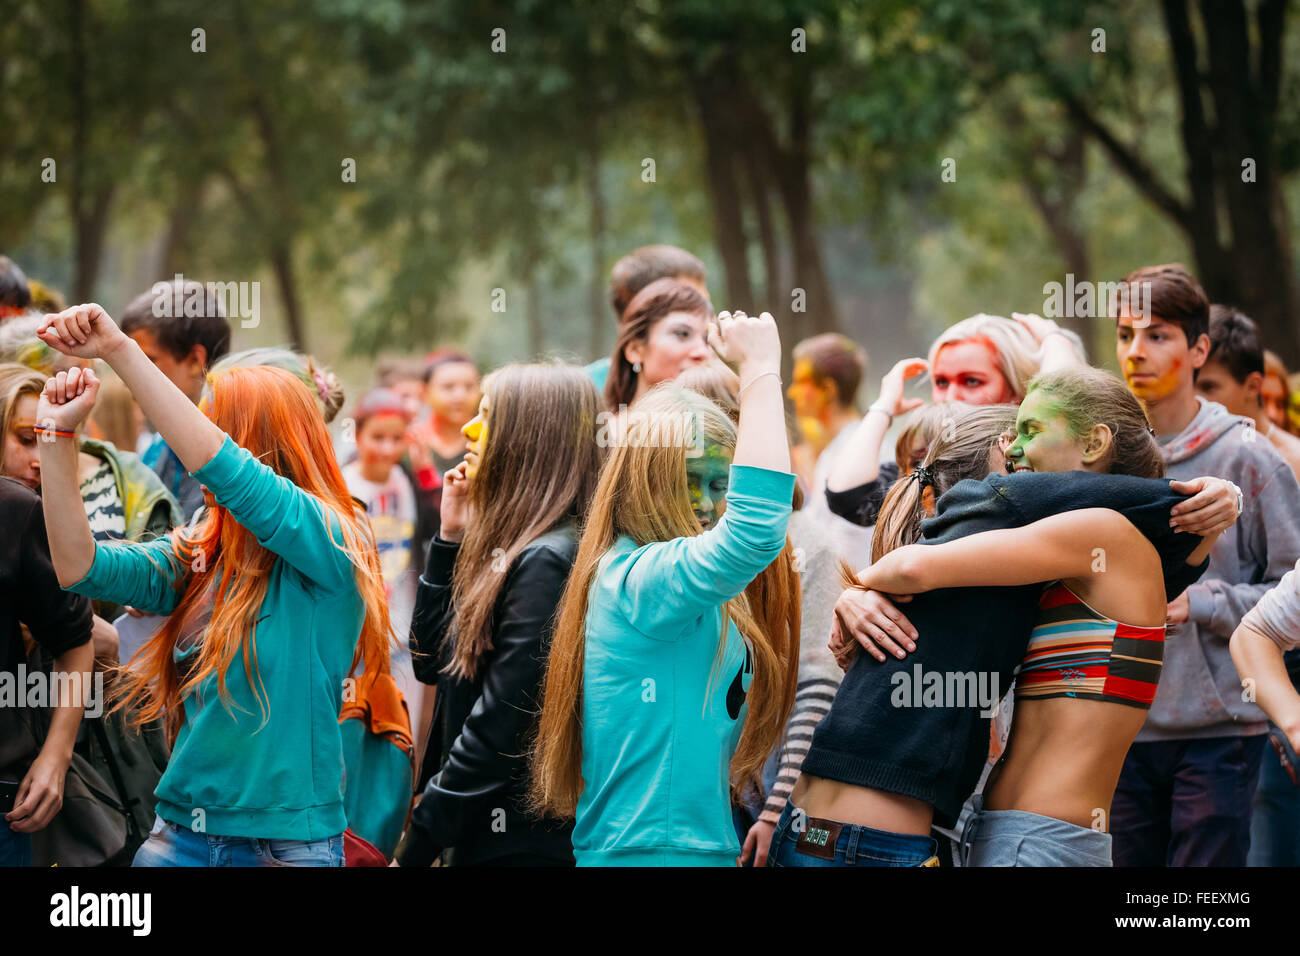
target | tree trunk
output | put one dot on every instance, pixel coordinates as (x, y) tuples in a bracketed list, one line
[(721, 170), (1259, 280), (767, 240), (789, 168), (599, 314), (184, 214), (282, 263)]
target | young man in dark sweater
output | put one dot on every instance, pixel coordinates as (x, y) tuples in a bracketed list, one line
[(31, 783)]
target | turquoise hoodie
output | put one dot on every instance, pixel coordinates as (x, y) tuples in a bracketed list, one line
[(230, 774), (656, 743)]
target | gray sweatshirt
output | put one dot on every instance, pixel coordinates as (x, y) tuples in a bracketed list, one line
[(1199, 694)]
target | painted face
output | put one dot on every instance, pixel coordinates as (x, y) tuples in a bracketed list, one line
[(453, 392), (1042, 438), (1216, 384), (476, 436), (185, 373), (1155, 360), (674, 343), (381, 442), (21, 460), (1293, 413), (968, 372), (1273, 394), (810, 395), (707, 476)]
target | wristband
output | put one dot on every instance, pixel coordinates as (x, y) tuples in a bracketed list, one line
[(879, 408), (53, 431)]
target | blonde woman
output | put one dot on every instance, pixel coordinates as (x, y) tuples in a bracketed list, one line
[(662, 692)]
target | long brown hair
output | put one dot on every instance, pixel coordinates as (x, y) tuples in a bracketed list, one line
[(643, 493), (960, 450), (539, 467), (272, 414), (648, 307)]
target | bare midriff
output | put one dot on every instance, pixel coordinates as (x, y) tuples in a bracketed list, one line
[(849, 803), (1063, 759)]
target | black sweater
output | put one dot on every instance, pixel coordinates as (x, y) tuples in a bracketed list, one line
[(475, 772), (861, 505), (936, 753), (58, 620)]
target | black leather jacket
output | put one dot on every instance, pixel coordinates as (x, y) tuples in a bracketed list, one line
[(475, 771)]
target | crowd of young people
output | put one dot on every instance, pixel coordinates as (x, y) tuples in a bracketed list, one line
[(638, 614)]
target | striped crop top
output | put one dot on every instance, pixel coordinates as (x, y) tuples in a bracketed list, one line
[(1076, 652)]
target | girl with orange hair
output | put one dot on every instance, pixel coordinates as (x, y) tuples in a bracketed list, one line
[(273, 599)]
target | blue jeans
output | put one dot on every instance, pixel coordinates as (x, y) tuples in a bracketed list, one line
[(1186, 802), (809, 844), (15, 848), (170, 844), (1275, 826)]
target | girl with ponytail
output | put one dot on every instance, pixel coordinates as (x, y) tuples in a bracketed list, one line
[(272, 601), (907, 736), (668, 681)]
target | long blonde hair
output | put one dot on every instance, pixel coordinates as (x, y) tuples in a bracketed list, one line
[(643, 493)]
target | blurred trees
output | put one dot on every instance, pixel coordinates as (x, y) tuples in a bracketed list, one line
[(524, 146)]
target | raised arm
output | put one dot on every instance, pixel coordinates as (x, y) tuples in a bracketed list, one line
[(665, 583), (87, 331), (859, 463), (753, 345), (64, 404), (285, 519), (141, 576), (1060, 546)]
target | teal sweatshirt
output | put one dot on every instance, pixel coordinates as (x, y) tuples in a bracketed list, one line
[(656, 744), (230, 774)]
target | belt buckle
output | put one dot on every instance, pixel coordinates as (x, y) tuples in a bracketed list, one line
[(819, 838)]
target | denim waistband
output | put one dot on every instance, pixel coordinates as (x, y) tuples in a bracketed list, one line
[(855, 838)]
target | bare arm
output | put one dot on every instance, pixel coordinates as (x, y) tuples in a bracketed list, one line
[(1259, 660), (859, 463), (1060, 546), (40, 796), (64, 404), (87, 331), (754, 345)]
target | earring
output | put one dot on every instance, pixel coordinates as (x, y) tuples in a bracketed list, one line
[(636, 367)]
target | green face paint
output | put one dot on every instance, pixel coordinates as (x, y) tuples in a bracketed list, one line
[(1043, 438), (707, 477)]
